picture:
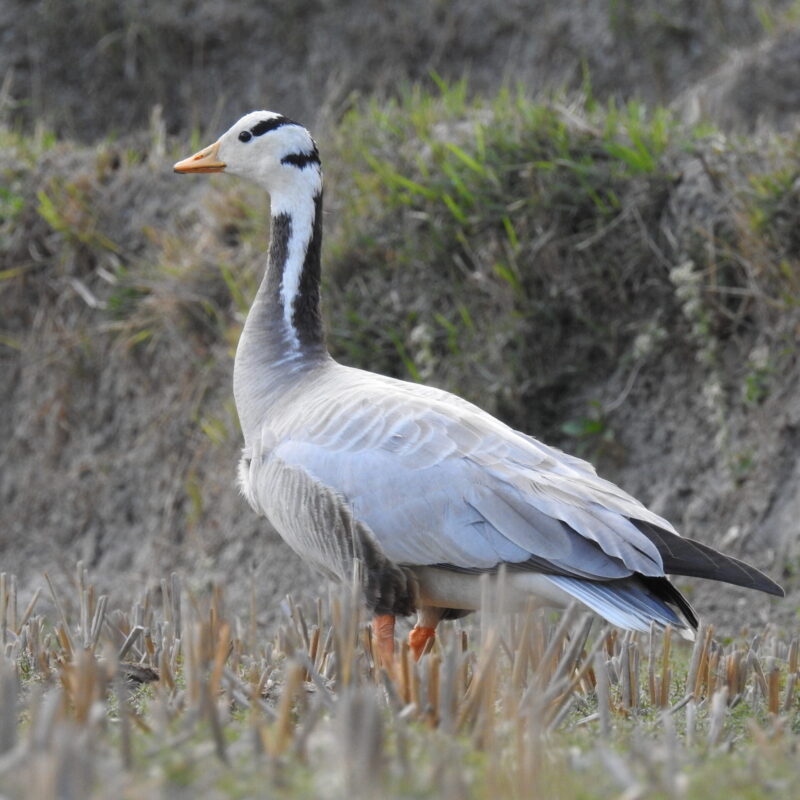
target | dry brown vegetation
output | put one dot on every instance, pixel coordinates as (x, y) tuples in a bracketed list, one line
[(180, 695), (91, 68)]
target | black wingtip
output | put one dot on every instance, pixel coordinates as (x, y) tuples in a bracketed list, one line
[(682, 556), (774, 588), (664, 590)]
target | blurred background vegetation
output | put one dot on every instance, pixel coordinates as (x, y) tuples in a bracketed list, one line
[(580, 216)]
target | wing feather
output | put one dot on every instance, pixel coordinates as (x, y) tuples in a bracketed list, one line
[(441, 482)]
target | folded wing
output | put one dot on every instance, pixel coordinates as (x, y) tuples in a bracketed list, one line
[(439, 482)]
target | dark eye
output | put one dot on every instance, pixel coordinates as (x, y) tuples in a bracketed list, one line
[(245, 136)]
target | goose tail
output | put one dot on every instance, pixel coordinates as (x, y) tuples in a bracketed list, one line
[(633, 603)]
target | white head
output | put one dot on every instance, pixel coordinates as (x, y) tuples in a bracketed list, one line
[(265, 147)]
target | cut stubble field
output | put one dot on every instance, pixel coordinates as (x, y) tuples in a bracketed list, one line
[(181, 696)]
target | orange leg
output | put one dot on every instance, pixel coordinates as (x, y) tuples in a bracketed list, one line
[(418, 638), (383, 637), (428, 618)]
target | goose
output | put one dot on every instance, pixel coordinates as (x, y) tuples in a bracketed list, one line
[(422, 490)]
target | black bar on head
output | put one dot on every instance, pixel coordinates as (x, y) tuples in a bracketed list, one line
[(267, 125)]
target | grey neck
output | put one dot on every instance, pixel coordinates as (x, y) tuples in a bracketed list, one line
[(283, 335)]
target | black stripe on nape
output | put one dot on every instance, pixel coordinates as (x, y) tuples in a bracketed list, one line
[(302, 160), (267, 125)]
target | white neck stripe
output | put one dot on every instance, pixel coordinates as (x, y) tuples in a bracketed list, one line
[(301, 210)]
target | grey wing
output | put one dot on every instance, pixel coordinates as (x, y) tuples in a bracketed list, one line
[(453, 486)]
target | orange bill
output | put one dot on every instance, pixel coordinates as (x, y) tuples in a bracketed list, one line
[(206, 160)]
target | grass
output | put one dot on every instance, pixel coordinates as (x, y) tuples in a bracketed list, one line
[(553, 239), (545, 233), (180, 694), (512, 250), (523, 253)]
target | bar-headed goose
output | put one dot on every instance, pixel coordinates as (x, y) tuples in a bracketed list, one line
[(425, 490)]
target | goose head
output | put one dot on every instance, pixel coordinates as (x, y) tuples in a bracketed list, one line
[(267, 148)]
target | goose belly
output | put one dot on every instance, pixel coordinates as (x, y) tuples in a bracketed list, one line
[(449, 589)]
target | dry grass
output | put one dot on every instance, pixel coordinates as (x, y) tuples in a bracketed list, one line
[(180, 695)]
